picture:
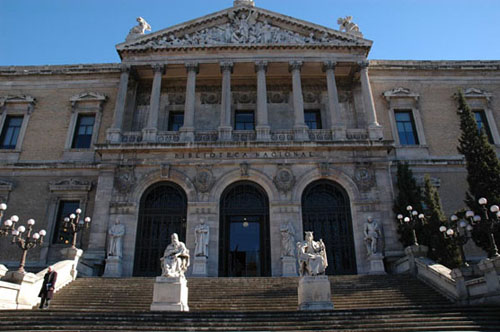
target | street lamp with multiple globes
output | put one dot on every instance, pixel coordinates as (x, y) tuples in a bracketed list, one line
[(459, 232), (73, 224), (9, 225), (26, 240), (412, 221), (490, 223)]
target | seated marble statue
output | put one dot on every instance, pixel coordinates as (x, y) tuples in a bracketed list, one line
[(175, 260), (311, 256)]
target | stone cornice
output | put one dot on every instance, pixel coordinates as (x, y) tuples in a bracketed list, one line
[(435, 65), (80, 69)]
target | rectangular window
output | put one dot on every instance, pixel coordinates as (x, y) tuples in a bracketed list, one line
[(406, 128), (244, 120), (313, 119), (10, 132), (175, 121), (82, 139), (60, 233), (482, 124)]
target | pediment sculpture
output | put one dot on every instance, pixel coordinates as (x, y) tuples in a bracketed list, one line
[(139, 29)]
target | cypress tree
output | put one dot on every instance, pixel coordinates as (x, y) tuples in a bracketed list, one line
[(483, 169), (408, 194), (441, 250)]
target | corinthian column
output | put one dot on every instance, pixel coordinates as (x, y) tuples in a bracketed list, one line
[(149, 133), (299, 128), (262, 128), (338, 128), (225, 128), (113, 134), (187, 130), (374, 129)]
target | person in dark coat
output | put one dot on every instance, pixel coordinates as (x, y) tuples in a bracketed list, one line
[(48, 286)]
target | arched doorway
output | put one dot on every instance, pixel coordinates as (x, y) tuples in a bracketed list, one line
[(326, 211), (244, 231), (162, 212)]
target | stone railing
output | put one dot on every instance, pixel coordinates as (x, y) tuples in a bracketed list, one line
[(478, 284), (282, 136), (20, 290), (319, 135), (132, 137), (206, 136), (356, 134), (168, 137), (244, 135)]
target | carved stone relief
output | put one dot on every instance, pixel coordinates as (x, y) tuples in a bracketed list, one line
[(70, 184), (312, 97), (244, 169), (165, 171), (277, 97), (204, 179), (210, 98), (176, 98), (284, 179), (324, 169), (244, 98), (364, 178), (125, 179)]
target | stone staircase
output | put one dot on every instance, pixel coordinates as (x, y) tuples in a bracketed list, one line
[(362, 303)]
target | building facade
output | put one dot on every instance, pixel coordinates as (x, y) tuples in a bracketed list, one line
[(245, 118)]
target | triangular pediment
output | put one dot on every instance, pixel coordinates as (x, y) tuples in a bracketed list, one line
[(244, 26)]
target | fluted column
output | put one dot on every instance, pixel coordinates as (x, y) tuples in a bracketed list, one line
[(336, 125), (149, 133), (262, 128), (187, 130), (374, 129), (225, 128), (113, 134), (299, 128)]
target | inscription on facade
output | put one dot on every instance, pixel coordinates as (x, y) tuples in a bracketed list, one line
[(247, 155)]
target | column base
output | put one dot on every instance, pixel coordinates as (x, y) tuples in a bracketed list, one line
[(289, 267), (170, 294), (376, 264), (186, 134), (263, 133), (301, 133), (149, 135), (315, 293), (375, 132), (200, 266), (114, 135), (339, 132), (113, 267), (225, 134)]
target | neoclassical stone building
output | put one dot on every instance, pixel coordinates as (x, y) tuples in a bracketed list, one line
[(245, 118)]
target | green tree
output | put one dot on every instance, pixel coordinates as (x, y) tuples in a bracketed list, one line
[(483, 169), (441, 250), (408, 194)]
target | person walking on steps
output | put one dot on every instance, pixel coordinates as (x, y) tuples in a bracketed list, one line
[(48, 286)]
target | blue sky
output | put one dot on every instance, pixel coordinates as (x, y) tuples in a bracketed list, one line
[(38, 32)]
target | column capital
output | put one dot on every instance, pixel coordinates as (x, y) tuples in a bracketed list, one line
[(329, 65), (192, 66), (363, 64), (295, 65), (226, 66), (261, 66), (125, 68), (158, 68)]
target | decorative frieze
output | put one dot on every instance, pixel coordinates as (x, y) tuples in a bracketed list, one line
[(70, 184), (284, 179)]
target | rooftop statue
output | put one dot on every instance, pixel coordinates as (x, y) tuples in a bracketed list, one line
[(312, 256), (139, 29), (347, 25), (175, 260)]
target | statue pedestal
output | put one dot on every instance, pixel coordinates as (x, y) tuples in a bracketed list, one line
[(315, 293), (200, 266), (376, 264), (170, 294), (288, 267), (113, 267)]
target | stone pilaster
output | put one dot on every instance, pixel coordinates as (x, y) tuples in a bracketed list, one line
[(263, 129), (187, 130), (225, 128), (149, 133), (113, 134), (338, 128), (299, 128), (374, 128)]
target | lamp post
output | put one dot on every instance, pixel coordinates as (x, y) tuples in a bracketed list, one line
[(26, 240), (74, 224), (459, 232), (411, 221), (10, 224), (490, 223)]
